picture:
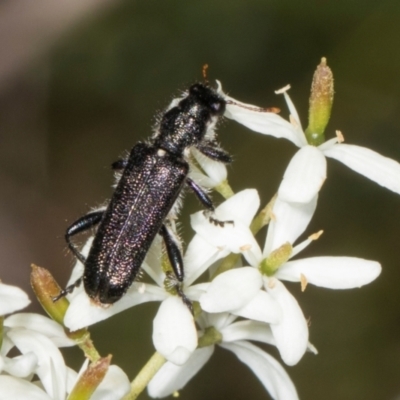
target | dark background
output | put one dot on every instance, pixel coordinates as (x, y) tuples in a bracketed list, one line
[(80, 86)]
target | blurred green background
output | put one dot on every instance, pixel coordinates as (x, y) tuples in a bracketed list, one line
[(82, 87)]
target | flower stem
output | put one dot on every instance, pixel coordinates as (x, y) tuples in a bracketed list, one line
[(227, 263), (145, 375), (210, 337), (263, 217), (224, 190), (83, 340)]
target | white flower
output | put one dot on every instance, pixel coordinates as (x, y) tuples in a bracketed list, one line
[(213, 172), (233, 336), (37, 338), (248, 292), (174, 330), (114, 386), (12, 299), (307, 170)]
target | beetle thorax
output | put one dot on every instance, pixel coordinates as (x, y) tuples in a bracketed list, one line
[(186, 124)]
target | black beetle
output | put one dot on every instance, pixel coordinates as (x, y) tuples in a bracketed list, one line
[(152, 178)]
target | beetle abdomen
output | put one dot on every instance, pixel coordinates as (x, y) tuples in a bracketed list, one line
[(146, 192)]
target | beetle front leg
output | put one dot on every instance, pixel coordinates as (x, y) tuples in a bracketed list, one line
[(82, 224), (213, 151), (207, 202)]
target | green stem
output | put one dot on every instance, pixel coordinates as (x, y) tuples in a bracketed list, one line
[(84, 342), (227, 263), (263, 217), (145, 375), (224, 190)]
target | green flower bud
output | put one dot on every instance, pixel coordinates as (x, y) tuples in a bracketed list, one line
[(46, 288), (321, 101), (90, 379)]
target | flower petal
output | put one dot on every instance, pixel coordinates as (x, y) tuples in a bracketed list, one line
[(171, 378), (83, 312), (258, 120), (304, 176), (39, 323), (382, 170), (292, 109), (114, 386), (331, 272), (271, 374), (217, 320), (20, 389), (21, 366), (262, 307), (51, 369), (241, 207), (230, 238), (174, 331), (231, 290), (215, 170), (291, 333), (198, 257), (12, 299), (194, 292), (289, 222), (248, 330)]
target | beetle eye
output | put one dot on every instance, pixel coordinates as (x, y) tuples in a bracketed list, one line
[(217, 107)]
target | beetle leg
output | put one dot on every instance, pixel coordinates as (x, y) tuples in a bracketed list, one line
[(207, 202), (213, 151), (174, 254), (119, 164), (82, 224), (201, 194), (69, 289), (175, 258)]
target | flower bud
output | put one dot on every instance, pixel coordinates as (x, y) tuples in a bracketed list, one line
[(46, 288), (90, 379), (321, 101)]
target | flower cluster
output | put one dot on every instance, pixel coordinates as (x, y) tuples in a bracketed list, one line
[(39, 371), (236, 286)]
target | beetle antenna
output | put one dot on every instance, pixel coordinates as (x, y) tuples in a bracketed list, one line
[(274, 110), (204, 73)]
